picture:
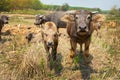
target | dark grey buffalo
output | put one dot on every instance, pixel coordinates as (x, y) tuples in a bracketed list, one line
[(3, 20), (39, 19), (55, 17)]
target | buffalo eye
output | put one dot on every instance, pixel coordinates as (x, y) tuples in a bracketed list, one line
[(41, 17), (76, 17), (55, 35), (46, 34), (88, 17)]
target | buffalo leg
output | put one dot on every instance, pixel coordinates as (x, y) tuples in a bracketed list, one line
[(81, 48), (54, 51), (46, 48), (48, 55), (87, 44), (73, 48)]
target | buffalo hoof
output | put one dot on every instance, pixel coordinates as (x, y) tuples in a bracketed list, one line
[(71, 56), (81, 51)]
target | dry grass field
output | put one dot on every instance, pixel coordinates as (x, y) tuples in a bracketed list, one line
[(20, 60)]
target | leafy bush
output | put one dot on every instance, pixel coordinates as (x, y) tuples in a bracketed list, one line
[(114, 14)]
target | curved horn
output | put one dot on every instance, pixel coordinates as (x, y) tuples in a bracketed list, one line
[(94, 12)]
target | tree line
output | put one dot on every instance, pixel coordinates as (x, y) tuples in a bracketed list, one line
[(8, 5)]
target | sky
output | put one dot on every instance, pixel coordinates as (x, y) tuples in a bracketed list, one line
[(102, 4)]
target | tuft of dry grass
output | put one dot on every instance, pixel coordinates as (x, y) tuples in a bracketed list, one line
[(23, 63)]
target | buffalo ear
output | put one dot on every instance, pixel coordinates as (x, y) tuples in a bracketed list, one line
[(94, 13), (44, 17), (71, 13)]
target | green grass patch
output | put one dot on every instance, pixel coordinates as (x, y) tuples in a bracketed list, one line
[(28, 11)]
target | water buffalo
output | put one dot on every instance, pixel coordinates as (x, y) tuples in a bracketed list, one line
[(80, 31), (29, 37), (50, 38), (3, 20), (97, 22), (39, 20), (55, 17)]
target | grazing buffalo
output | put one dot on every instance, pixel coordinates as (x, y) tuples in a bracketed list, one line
[(50, 38), (80, 31), (54, 17), (29, 37), (3, 20)]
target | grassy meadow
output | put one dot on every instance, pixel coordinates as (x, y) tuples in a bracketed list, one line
[(20, 60)]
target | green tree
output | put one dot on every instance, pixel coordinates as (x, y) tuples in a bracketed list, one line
[(115, 11), (64, 7), (4, 5), (36, 4)]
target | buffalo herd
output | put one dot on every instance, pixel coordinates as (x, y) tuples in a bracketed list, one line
[(79, 25)]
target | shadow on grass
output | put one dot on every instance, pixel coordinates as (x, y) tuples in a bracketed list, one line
[(56, 65), (4, 40), (85, 69), (7, 33)]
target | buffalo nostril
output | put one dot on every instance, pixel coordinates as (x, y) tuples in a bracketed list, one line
[(50, 43), (85, 27), (82, 27), (6, 22), (79, 27)]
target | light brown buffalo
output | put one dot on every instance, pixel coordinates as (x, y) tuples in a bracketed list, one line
[(50, 38)]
